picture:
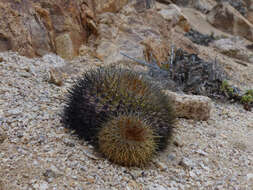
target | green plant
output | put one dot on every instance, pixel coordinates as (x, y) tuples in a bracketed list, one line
[(226, 88)]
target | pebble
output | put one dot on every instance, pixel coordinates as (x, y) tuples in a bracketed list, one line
[(201, 152), (162, 166), (30, 107), (186, 163), (250, 176)]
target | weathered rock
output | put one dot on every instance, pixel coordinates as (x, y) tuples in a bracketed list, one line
[(157, 50), (191, 106), (228, 19), (125, 32), (239, 5), (114, 6), (233, 47), (64, 46), (249, 15), (174, 15), (34, 29), (142, 5), (203, 5), (199, 38), (186, 163)]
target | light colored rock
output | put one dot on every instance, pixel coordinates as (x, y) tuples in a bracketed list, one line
[(250, 176), (156, 187), (191, 106), (64, 46), (228, 19), (186, 163), (103, 6), (203, 5), (162, 166), (174, 15), (233, 47)]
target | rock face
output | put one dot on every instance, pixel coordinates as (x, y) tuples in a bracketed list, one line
[(174, 15), (234, 47), (228, 19), (129, 32), (191, 106), (34, 28)]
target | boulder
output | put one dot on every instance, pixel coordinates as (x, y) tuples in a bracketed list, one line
[(228, 19), (191, 106)]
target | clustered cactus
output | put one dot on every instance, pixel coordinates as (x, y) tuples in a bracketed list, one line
[(121, 114)]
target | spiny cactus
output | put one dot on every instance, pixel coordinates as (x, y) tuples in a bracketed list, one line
[(103, 107)]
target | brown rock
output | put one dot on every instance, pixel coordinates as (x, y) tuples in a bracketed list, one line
[(103, 6), (191, 106), (226, 18), (34, 29), (156, 49), (124, 32), (174, 15), (56, 76)]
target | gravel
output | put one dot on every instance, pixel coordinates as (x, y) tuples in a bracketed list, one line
[(36, 152)]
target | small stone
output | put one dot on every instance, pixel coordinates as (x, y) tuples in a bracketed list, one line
[(201, 152), (20, 135), (55, 77), (69, 143), (43, 186), (162, 166), (177, 143), (49, 174), (192, 174), (250, 176), (171, 157), (90, 155), (186, 163), (156, 187), (25, 74)]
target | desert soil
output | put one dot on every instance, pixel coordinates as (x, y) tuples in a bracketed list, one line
[(36, 152)]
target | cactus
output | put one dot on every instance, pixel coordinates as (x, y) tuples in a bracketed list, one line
[(103, 100)]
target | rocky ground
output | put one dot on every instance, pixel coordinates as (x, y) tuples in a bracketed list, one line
[(36, 152)]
